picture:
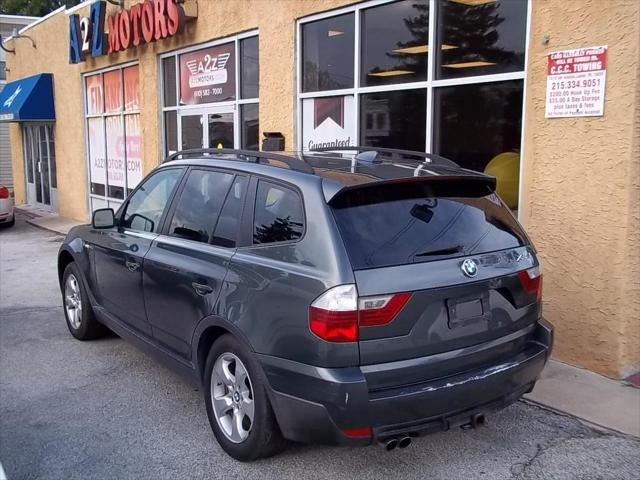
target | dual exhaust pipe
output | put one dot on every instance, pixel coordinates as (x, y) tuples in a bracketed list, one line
[(477, 420), (391, 444)]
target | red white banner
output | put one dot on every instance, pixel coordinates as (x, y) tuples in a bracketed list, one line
[(576, 82), (208, 75)]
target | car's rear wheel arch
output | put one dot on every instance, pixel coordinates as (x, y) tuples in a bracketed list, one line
[(205, 341)]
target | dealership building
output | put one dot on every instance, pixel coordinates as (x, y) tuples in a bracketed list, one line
[(542, 94)]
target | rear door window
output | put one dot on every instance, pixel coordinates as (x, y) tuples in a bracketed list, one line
[(278, 214), (199, 204), (411, 230)]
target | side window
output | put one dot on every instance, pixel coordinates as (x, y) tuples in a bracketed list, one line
[(146, 205), (278, 214), (199, 204), (226, 232)]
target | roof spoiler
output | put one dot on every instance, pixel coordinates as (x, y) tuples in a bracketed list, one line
[(465, 185)]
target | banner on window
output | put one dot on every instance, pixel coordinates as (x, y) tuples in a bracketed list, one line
[(115, 156), (133, 150), (97, 167), (576, 82), (95, 103), (328, 122), (208, 75)]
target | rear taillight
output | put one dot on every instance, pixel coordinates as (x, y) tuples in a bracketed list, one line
[(4, 192), (358, 432), (337, 314), (532, 281)]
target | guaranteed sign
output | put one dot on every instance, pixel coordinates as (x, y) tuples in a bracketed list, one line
[(576, 82)]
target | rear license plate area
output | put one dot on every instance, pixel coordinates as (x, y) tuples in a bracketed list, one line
[(469, 309)]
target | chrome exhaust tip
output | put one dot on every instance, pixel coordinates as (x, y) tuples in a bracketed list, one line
[(389, 444), (404, 442)]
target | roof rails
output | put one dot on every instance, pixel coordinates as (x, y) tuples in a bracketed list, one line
[(247, 155), (429, 157)]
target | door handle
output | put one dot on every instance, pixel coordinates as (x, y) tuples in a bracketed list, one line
[(201, 289), (132, 266)]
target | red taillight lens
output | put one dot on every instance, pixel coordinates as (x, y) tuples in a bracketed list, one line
[(532, 281), (374, 311), (336, 315), (358, 432), (334, 326), (4, 192)]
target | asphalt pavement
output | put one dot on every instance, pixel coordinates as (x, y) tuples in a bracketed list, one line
[(105, 410)]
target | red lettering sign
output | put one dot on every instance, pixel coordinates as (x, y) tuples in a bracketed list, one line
[(145, 22)]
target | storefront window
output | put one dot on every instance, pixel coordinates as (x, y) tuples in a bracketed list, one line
[(479, 126), (250, 71), (395, 41), (442, 76), (327, 54), (397, 118), (208, 112), (480, 37), (113, 134)]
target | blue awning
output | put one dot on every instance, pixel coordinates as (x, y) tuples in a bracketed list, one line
[(29, 99)]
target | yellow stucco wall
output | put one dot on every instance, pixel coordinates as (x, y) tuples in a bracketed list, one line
[(581, 189)]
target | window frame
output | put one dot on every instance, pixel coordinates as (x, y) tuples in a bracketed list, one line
[(430, 84), (110, 202), (233, 105)]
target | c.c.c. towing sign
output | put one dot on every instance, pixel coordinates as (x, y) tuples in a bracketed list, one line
[(144, 22)]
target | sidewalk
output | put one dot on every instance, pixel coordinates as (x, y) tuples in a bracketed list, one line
[(598, 400), (47, 220)]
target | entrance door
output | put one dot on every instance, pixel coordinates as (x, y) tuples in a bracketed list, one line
[(212, 127), (40, 164)]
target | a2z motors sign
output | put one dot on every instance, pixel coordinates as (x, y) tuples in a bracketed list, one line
[(208, 75), (144, 22)]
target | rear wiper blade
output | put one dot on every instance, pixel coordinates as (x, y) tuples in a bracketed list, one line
[(441, 251)]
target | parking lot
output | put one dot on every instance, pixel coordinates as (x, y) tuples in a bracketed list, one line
[(105, 410)]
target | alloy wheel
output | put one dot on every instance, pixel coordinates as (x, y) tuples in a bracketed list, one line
[(232, 397), (73, 301)]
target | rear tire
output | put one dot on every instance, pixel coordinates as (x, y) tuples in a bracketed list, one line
[(239, 411), (81, 320)]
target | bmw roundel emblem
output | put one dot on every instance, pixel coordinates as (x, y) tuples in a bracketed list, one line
[(469, 267)]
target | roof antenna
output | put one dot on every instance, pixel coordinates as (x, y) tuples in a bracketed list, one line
[(368, 156)]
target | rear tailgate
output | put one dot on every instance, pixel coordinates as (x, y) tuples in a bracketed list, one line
[(416, 238)]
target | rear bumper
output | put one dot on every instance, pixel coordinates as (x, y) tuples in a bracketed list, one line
[(314, 404)]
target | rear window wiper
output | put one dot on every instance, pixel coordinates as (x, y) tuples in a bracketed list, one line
[(441, 251)]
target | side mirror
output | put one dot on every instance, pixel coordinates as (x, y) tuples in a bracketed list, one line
[(103, 218)]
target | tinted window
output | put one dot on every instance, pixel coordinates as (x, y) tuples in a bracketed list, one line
[(146, 205), (169, 81), (394, 119), (327, 54), (200, 204), (395, 43), (480, 38), (250, 127), (490, 115), (226, 231), (250, 67), (415, 230), (278, 214)]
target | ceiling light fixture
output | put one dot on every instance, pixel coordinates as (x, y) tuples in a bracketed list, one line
[(473, 3), (421, 49), (391, 73), (469, 64)]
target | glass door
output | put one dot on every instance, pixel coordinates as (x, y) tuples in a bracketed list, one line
[(40, 165), (212, 127)]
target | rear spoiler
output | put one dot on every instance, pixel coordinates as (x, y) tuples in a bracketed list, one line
[(470, 184)]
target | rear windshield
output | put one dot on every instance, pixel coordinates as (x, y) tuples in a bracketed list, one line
[(411, 230)]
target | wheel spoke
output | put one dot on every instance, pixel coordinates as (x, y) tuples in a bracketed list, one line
[(223, 403), (248, 406), (238, 430)]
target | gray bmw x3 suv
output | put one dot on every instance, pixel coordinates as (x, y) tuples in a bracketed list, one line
[(343, 297)]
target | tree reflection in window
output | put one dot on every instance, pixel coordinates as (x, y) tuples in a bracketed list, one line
[(278, 214)]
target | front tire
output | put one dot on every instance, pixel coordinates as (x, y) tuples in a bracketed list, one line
[(80, 318), (237, 404)]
